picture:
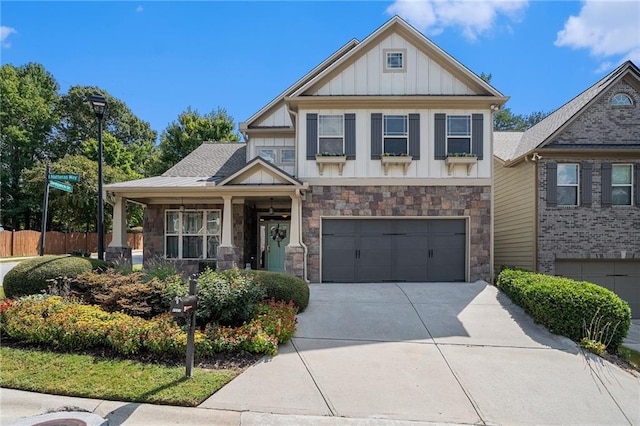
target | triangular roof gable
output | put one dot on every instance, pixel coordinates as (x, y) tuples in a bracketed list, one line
[(257, 167), (278, 101), (545, 131), (400, 26)]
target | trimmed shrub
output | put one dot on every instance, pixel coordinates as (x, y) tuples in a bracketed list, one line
[(32, 276), (227, 298), (283, 287), (569, 308)]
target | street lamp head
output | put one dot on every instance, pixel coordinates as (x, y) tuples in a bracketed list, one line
[(99, 104)]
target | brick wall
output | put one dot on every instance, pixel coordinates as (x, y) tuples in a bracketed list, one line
[(603, 124), (594, 232), (398, 201)]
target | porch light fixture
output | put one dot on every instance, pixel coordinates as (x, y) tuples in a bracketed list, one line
[(271, 208), (100, 106)]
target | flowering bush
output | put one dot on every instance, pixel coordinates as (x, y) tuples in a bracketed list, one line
[(274, 323), (70, 325)]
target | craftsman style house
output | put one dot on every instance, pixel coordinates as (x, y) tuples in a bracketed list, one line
[(567, 191), (375, 166)]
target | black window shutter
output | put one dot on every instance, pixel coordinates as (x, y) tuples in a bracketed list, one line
[(585, 184), (414, 136), (605, 185), (552, 184), (312, 136), (637, 190), (376, 136), (440, 137), (477, 135), (350, 136)]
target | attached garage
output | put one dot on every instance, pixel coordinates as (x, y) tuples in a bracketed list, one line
[(620, 276), (379, 250)]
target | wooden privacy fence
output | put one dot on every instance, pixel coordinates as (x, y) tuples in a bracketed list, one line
[(27, 243)]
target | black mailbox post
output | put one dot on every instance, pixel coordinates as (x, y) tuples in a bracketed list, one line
[(185, 307)]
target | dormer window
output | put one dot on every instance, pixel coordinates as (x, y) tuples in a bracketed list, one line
[(395, 60), (621, 99)]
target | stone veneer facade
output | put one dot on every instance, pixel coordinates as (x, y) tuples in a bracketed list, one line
[(473, 202), (593, 232), (154, 236)]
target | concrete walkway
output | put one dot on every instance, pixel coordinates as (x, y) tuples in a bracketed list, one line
[(399, 354)]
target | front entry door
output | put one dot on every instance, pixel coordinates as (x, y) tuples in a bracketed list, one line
[(277, 240)]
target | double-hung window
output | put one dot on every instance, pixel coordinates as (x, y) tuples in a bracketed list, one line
[(331, 134), (458, 134), (192, 234), (567, 185), (621, 184), (395, 134)]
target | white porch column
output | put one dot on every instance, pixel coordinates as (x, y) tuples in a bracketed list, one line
[(227, 222), (119, 238), (294, 232)]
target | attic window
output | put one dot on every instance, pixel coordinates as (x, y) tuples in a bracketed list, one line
[(621, 99), (395, 60)]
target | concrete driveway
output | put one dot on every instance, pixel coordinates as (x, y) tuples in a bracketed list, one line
[(432, 352)]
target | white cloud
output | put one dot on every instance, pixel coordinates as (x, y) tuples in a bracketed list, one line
[(473, 17), (606, 28), (5, 32), (139, 8)]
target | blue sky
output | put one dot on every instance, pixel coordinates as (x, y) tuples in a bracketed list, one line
[(161, 57)]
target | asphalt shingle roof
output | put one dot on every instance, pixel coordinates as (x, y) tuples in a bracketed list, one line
[(212, 160), (505, 144)]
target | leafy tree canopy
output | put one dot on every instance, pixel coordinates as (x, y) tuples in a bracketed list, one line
[(74, 211), (28, 114), (78, 124), (191, 129)]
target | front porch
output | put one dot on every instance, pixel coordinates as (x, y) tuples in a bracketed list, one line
[(251, 219)]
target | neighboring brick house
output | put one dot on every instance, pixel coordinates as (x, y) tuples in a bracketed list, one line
[(375, 166), (567, 191)]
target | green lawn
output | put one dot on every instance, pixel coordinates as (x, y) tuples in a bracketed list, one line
[(120, 380)]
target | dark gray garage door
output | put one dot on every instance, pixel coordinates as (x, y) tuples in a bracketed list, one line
[(378, 250), (620, 276)]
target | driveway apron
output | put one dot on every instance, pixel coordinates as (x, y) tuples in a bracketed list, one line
[(431, 352)]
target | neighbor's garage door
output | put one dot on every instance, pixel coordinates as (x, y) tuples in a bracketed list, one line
[(377, 250), (620, 276)]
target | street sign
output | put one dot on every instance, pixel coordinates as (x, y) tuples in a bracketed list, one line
[(61, 186), (64, 177)]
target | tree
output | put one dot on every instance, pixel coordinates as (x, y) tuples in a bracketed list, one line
[(29, 97), (192, 129), (76, 211), (78, 125), (505, 120)]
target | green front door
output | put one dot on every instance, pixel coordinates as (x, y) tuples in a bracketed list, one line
[(277, 240)]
